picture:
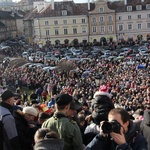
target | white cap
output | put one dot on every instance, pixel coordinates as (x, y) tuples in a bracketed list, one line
[(30, 110)]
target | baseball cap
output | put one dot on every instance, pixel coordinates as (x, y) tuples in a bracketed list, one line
[(75, 105), (6, 95), (63, 99)]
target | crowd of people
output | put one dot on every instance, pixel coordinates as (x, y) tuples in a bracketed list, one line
[(70, 109)]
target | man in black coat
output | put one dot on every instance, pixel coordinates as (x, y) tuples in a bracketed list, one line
[(145, 127), (118, 134), (8, 133), (101, 105), (26, 126)]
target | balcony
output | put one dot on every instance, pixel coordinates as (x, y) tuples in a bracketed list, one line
[(110, 22), (94, 23), (102, 23)]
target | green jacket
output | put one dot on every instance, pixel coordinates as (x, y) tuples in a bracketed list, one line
[(68, 130)]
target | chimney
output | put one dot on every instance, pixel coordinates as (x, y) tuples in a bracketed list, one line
[(52, 1), (88, 4), (125, 2)]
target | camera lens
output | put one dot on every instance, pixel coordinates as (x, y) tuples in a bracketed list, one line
[(107, 127)]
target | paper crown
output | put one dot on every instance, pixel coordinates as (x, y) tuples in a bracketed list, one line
[(103, 88)]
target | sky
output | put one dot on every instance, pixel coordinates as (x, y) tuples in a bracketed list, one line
[(76, 1)]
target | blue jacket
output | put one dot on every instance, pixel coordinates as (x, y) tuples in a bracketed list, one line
[(134, 140)]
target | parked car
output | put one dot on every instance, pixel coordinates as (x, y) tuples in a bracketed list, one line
[(25, 55)]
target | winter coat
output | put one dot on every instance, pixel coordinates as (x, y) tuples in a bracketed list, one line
[(49, 144), (134, 141), (8, 133), (145, 127), (67, 129), (101, 106), (25, 133)]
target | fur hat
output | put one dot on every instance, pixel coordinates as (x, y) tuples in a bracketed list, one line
[(101, 106), (103, 90), (30, 110)]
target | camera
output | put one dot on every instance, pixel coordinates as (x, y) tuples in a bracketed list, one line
[(113, 126)]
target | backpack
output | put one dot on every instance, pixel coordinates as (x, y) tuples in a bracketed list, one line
[(2, 130)]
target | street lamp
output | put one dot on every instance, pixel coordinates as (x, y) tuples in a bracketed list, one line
[(47, 40), (98, 80), (120, 37)]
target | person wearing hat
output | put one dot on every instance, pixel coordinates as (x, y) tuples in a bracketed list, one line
[(8, 132), (101, 105), (47, 140), (42, 117), (26, 126), (74, 106), (61, 124)]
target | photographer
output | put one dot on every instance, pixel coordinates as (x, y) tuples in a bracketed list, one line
[(118, 134)]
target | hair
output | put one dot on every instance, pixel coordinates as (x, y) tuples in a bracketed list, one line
[(124, 114), (45, 133), (37, 106), (60, 107)]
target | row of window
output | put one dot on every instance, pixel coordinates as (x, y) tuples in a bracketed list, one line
[(2, 29), (129, 17), (110, 18), (74, 21), (129, 8), (120, 27), (130, 26), (101, 19), (102, 29), (74, 31), (138, 7)]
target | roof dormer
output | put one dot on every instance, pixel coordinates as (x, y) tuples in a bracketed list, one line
[(138, 7), (64, 12), (129, 8)]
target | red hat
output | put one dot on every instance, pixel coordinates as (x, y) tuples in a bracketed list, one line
[(103, 88)]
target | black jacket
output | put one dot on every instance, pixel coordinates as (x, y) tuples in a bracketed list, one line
[(8, 134), (25, 133), (145, 127), (49, 144), (134, 140), (101, 106)]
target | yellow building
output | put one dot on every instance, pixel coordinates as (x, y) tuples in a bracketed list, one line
[(102, 22), (61, 22)]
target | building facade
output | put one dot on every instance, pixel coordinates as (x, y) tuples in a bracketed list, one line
[(60, 22), (132, 19), (101, 21), (3, 30), (10, 23)]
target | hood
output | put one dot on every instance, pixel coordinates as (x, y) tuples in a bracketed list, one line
[(49, 144), (18, 115), (147, 117), (131, 131), (97, 93)]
